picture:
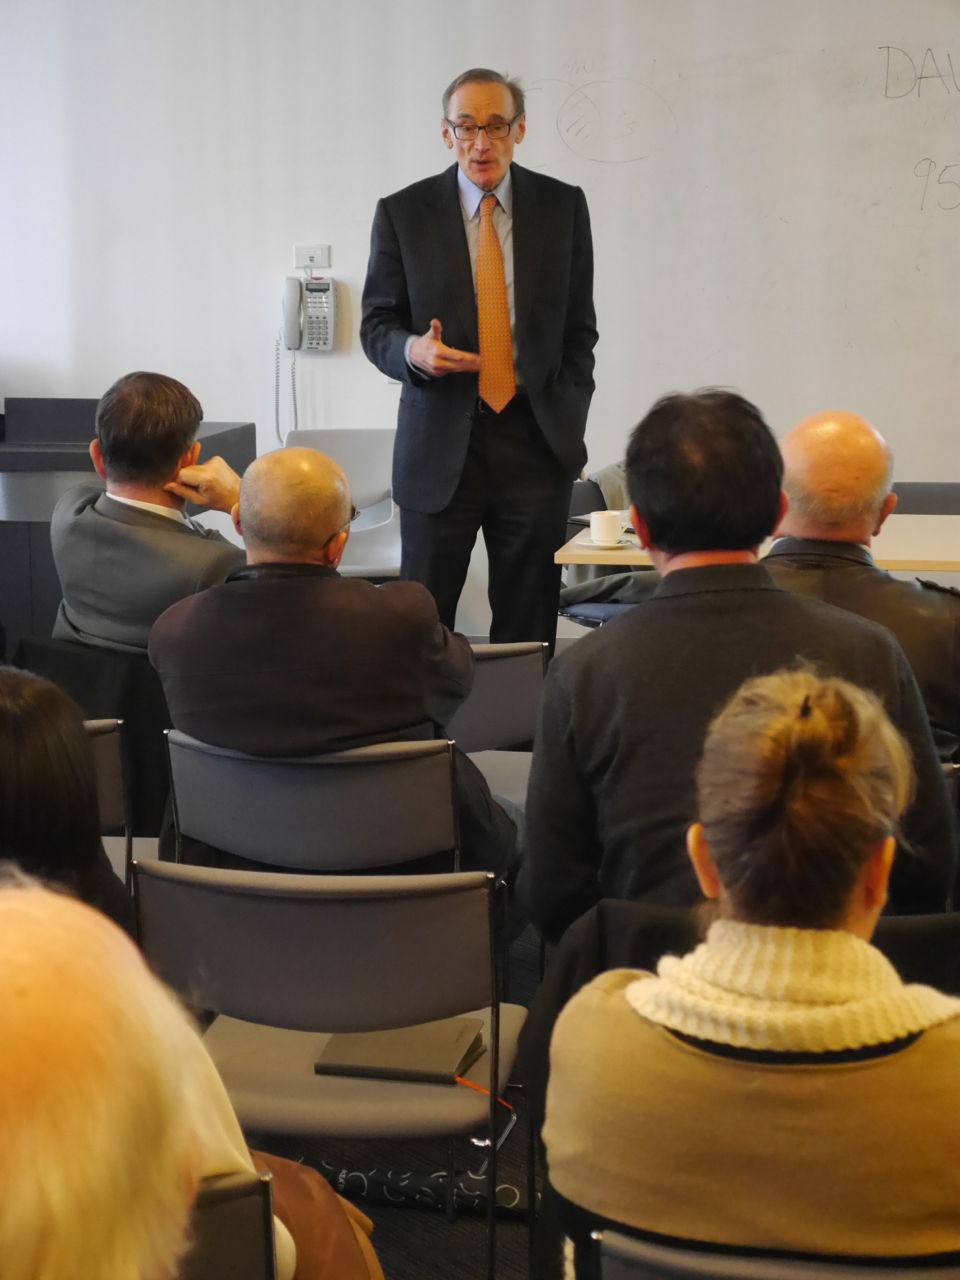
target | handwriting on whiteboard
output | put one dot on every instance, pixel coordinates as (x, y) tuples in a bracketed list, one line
[(614, 121), (948, 197), (908, 73)]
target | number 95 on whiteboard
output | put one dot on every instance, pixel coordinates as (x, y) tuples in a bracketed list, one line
[(309, 314)]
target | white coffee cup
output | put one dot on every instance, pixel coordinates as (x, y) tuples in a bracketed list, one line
[(606, 527)]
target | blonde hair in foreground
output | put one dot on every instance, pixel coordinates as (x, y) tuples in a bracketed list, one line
[(801, 779), (99, 1117)]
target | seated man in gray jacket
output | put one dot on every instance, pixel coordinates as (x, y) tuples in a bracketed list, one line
[(125, 555)]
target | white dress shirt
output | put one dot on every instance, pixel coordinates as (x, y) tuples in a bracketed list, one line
[(470, 197), (170, 512)]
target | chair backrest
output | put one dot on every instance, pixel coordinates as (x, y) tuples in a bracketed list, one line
[(365, 454), (108, 684), (231, 1230), (106, 742), (319, 953), (347, 811), (625, 1257), (586, 496), (503, 708)]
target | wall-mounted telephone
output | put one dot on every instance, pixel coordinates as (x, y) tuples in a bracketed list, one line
[(309, 313)]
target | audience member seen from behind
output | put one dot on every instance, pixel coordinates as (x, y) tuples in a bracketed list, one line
[(111, 1112), (674, 1099), (100, 1100), (626, 709), (286, 658), (837, 474), (125, 555), (49, 816)]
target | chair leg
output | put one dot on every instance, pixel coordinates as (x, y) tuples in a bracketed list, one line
[(492, 1209), (531, 1191), (451, 1173)]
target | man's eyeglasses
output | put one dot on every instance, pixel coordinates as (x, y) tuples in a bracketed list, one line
[(353, 515), (469, 131)]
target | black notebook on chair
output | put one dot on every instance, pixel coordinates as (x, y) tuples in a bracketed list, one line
[(429, 1053)]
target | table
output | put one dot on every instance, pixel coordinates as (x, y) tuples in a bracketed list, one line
[(921, 543)]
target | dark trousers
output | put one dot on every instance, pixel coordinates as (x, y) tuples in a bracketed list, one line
[(514, 489)]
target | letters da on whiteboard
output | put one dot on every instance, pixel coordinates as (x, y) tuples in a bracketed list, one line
[(922, 73)]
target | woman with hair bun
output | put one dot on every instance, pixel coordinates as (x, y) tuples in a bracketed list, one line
[(779, 1088)]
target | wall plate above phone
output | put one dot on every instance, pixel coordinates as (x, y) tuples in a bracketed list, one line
[(315, 256)]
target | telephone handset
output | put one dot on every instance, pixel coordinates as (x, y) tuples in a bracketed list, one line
[(309, 313)]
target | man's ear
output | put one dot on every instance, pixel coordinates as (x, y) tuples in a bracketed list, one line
[(783, 506), (445, 133), (335, 548), (189, 459), (235, 517), (640, 528), (886, 509), (96, 457), (699, 853)]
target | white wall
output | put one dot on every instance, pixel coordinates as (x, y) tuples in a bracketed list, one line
[(749, 166)]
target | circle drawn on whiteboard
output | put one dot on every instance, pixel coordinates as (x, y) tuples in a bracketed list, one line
[(615, 121)]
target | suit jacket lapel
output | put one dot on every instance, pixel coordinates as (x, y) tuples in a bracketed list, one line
[(452, 238), (529, 223)]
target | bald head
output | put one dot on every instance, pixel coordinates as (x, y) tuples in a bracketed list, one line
[(100, 1150), (837, 475), (292, 503)]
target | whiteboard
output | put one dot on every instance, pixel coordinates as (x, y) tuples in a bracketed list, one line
[(774, 189)]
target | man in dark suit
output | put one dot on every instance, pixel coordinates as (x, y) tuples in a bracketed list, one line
[(837, 475), (479, 300), (125, 555), (286, 658), (626, 708)]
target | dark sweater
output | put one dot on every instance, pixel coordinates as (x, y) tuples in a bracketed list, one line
[(624, 718)]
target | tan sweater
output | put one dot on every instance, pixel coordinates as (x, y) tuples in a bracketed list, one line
[(855, 1158)]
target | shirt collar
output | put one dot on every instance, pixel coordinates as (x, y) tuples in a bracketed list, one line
[(170, 512), (751, 576), (471, 194), (829, 548), (279, 569)]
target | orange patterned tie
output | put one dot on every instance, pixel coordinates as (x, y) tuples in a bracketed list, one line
[(497, 383)]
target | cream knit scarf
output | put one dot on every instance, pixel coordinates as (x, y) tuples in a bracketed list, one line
[(788, 990)]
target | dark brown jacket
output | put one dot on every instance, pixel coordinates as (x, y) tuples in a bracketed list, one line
[(923, 616)]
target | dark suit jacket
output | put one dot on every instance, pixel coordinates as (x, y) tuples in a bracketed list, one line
[(624, 718), (293, 660), (120, 567), (923, 616), (419, 270)]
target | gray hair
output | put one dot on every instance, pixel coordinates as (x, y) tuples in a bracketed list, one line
[(481, 75), (826, 510)]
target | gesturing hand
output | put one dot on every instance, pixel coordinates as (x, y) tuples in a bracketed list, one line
[(212, 484), (429, 354)]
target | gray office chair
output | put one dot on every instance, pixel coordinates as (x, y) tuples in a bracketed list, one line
[(502, 711), (628, 1258), (109, 756), (287, 959), (231, 1230), (346, 811), (366, 456)]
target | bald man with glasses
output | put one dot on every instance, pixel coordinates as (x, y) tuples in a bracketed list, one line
[(479, 300)]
